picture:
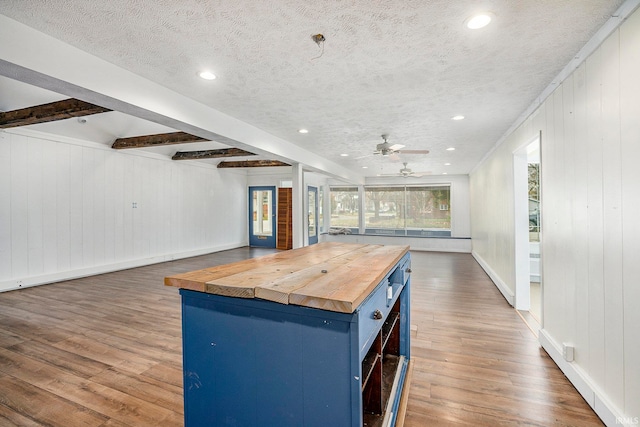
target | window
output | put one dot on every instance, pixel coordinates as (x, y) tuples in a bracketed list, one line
[(344, 208), (384, 210), (408, 211), (428, 211), (396, 211), (321, 208)]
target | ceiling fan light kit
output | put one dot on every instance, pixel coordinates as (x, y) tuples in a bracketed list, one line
[(406, 172), (386, 149)]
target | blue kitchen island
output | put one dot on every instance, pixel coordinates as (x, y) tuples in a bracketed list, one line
[(315, 337)]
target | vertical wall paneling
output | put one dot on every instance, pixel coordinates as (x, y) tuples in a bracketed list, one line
[(50, 208), (19, 207), (612, 200), (163, 181), (67, 208), (569, 208), (76, 211), (174, 207), (88, 195), (555, 233), (590, 229), (99, 207), (595, 216), (127, 207), (630, 155), (109, 197), (63, 206), (5, 206), (35, 206), (137, 212), (119, 205), (579, 217)]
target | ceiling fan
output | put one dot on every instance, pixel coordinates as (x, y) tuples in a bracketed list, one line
[(405, 172), (386, 148)]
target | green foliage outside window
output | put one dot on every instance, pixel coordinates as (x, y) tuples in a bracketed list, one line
[(393, 210)]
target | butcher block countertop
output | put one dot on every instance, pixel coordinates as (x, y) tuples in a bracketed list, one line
[(331, 276)]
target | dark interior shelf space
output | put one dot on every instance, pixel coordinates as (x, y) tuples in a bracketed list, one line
[(379, 369), (388, 327), (389, 368), (368, 365)]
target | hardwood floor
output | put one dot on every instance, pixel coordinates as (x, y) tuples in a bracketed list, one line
[(476, 362), (106, 351)]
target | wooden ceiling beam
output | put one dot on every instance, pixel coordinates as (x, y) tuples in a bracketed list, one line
[(59, 110), (156, 140), (252, 164), (211, 154)]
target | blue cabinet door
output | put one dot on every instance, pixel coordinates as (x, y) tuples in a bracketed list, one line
[(255, 363)]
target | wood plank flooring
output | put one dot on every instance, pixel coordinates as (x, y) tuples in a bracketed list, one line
[(106, 351)]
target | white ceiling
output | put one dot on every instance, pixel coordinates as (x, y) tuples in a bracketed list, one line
[(399, 67)]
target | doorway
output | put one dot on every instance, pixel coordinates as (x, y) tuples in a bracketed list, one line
[(313, 215), (262, 217), (527, 208)]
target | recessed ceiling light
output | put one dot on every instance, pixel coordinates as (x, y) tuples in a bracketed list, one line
[(444, 173), (478, 21), (458, 117), (365, 167), (447, 164), (303, 131), (207, 75), (344, 155), (451, 149)]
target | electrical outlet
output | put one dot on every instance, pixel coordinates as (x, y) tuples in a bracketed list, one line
[(567, 352)]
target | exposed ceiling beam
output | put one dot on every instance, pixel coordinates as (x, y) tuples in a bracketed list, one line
[(156, 140), (59, 110), (211, 154), (252, 164), (41, 60)]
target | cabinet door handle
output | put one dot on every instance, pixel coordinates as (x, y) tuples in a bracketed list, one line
[(377, 315)]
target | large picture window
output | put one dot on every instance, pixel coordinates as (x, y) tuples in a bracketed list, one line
[(408, 211), (384, 210), (428, 211), (345, 207), (397, 211)]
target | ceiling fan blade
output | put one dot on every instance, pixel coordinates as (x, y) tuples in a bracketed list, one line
[(394, 157), (413, 151), (420, 174), (396, 147)]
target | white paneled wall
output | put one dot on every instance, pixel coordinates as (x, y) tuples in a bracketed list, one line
[(590, 247), (70, 208)]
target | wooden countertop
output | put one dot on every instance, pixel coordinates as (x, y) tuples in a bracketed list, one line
[(330, 276)]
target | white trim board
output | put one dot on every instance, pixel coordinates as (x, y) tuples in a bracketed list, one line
[(25, 282), (596, 398), (502, 287)]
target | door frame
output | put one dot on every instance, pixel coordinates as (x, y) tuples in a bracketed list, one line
[(521, 224), (262, 241), (312, 239)]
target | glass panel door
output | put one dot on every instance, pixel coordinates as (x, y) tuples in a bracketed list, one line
[(262, 217), (313, 215)]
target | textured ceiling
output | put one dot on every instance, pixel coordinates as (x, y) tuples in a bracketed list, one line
[(400, 67)]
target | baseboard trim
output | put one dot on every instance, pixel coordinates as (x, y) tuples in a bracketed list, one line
[(595, 397), (25, 282), (502, 287)]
